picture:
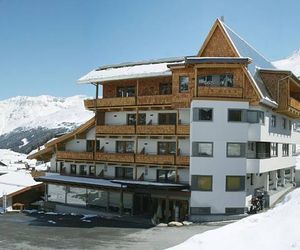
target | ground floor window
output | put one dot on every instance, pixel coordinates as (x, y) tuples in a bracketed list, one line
[(235, 183), (73, 168), (200, 210), (166, 175), (124, 173), (202, 182), (76, 196), (92, 171), (82, 170)]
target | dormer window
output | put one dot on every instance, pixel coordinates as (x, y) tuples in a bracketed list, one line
[(223, 80)]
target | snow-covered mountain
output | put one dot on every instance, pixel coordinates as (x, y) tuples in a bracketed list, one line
[(28, 122), (290, 63)]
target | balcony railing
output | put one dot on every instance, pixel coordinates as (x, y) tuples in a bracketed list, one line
[(110, 102), (74, 155), (183, 129), (294, 103), (115, 129), (154, 100), (220, 91), (155, 129), (155, 159), (183, 160), (114, 157)]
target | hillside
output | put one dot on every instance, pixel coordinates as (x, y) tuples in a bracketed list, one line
[(28, 122)]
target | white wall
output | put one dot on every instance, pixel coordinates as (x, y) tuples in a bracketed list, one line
[(76, 145)]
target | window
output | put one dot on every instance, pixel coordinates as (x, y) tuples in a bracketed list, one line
[(92, 170), (255, 116), (290, 125), (90, 145), (166, 148), (274, 149), (273, 121), (203, 149), (167, 118), (294, 149), (200, 210), (124, 146), (285, 149), (82, 170), (223, 80), (97, 145), (126, 91), (235, 149), (234, 210), (165, 89), (62, 168), (131, 119), (73, 169), (183, 84), (235, 183), (166, 175), (124, 173), (203, 114), (235, 115), (284, 123), (202, 182)]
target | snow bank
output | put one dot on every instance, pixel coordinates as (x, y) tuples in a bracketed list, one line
[(276, 229)]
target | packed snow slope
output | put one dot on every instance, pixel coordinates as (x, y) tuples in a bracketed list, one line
[(290, 63), (276, 229), (28, 122)]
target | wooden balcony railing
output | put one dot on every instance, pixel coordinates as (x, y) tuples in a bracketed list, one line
[(183, 129), (233, 92), (155, 129), (182, 160), (110, 102), (115, 129), (74, 155), (154, 100), (114, 157), (294, 103), (155, 159)]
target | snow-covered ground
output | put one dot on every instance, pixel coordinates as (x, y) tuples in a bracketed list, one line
[(290, 63), (23, 112), (276, 229), (9, 157)]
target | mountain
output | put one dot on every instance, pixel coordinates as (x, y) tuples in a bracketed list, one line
[(29, 122), (290, 63)]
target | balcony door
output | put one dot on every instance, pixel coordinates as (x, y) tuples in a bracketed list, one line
[(166, 148)]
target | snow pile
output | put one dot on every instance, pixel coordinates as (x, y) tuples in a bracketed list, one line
[(276, 229), (23, 112), (11, 158), (15, 181), (291, 63)]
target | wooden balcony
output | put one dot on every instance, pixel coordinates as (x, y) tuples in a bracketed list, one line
[(155, 129), (115, 129), (110, 102), (155, 100), (295, 104), (155, 159), (74, 155), (183, 129), (290, 108), (183, 160), (114, 157), (229, 92)]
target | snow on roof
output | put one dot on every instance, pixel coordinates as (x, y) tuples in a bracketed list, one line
[(130, 70), (274, 229), (16, 181)]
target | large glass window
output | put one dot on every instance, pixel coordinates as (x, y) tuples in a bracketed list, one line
[(274, 149), (166, 175), (165, 89), (255, 116), (202, 149), (235, 115), (126, 91), (76, 196), (203, 114), (166, 148), (124, 173), (167, 118), (202, 182), (124, 146), (97, 198), (285, 149), (56, 193), (184, 84), (235, 183), (235, 149), (224, 80)]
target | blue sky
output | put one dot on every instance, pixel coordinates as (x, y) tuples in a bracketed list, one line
[(45, 46)]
